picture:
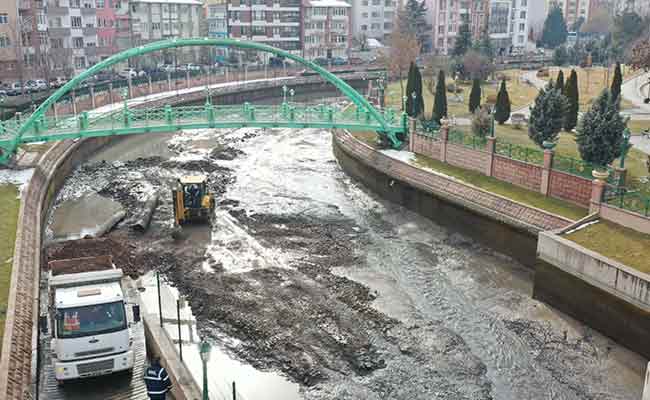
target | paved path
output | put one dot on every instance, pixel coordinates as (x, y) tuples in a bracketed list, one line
[(635, 91)]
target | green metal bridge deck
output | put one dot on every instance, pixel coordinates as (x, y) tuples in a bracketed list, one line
[(360, 115)]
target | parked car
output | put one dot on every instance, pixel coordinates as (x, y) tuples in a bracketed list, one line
[(321, 61), (339, 61), (58, 82), (128, 73), (356, 61), (41, 84), (15, 89), (189, 67)]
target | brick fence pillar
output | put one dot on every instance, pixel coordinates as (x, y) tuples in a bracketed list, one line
[(130, 84), (491, 144), (411, 133), (187, 79), (444, 137), (597, 190), (169, 81), (546, 171)]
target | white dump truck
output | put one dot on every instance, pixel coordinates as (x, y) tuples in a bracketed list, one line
[(87, 311)]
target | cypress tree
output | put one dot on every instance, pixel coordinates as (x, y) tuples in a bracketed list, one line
[(555, 31), (475, 96), (440, 99), (414, 85), (410, 88), (573, 97), (600, 132), (463, 40), (559, 83), (547, 115), (502, 108), (617, 82)]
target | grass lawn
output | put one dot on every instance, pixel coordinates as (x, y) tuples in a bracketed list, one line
[(591, 82), (638, 125), (505, 189), (520, 93), (9, 205), (624, 245), (369, 138)]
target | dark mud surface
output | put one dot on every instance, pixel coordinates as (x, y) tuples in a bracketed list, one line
[(351, 297)]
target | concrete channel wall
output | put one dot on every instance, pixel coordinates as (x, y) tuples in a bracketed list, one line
[(503, 224), (604, 294), (19, 358)]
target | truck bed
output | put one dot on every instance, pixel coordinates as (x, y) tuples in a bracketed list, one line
[(83, 264)]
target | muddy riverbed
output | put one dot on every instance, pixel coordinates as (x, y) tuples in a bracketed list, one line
[(306, 273)]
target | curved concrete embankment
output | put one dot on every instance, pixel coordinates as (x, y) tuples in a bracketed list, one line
[(18, 365), (502, 224)]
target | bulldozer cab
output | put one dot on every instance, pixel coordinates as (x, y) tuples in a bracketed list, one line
[(192, 200)]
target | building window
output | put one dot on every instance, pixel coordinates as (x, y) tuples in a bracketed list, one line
[(364, 27), (4, 18), (4, 41), (522, 15), (75, 3), (56, 43), (155, 26), (79, 62), (376, 2), (75, 22), (364, 15), (99, 3), (78, 43), (375, 14)]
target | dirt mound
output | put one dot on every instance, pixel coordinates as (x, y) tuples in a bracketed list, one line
[(125, 255)]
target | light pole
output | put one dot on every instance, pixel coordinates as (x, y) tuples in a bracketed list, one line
[(381, 85), (2, 107), (125, 95), (208, 96), (291, 93), (625, 146), (204, 351), (404, 103), (284, 93)]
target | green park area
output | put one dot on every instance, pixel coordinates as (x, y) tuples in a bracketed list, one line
[(521, 93), (9, 206), (622, 244)]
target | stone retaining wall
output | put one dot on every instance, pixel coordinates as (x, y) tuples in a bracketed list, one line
[(18, 363), (501, 223)]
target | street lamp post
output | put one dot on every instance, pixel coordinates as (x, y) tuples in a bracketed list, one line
[(413, 106), (204, 351), (625, 146), (404, 103), (284, 93), (291, 93), (125, 96), (381, 82), (2, 108)]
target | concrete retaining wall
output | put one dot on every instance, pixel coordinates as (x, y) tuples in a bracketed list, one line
[(604, 294), (646, 388), (159, 344), (498, 222), (19, 361), (625, 218)]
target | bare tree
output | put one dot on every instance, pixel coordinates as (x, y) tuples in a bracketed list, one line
[(404, 49)]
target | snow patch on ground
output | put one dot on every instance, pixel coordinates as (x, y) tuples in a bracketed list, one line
[(581, 227), (19, 178), (404, 156)]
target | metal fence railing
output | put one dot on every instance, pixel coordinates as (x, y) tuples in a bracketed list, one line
[(633, 201), (519, 153), (572, 166), (468, 140)]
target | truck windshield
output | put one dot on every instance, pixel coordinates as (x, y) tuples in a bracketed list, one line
[(91, 320)]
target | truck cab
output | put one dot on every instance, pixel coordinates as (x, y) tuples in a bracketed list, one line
[(91, 334)]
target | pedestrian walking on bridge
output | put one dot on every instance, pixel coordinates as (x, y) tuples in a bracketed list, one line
[(157, 380)]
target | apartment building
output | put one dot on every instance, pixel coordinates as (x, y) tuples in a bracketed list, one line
[(106, 28), (72, 32), (153, 20), (276, 23), (572, 10), (373, 18), (447, 16), (326, 29), (216, 14), (9, 41), (641, 7)]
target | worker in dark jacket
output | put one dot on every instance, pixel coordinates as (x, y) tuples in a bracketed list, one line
[(157, 380)]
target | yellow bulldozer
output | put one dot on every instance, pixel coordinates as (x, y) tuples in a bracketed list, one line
[(192, 200)]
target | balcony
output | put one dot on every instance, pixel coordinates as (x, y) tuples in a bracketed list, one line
[(89, 31), (88, 11), (59, 32)]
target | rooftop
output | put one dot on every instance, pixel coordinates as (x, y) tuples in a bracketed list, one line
[(88, 294), (190, 2)]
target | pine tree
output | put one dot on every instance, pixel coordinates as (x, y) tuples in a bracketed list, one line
[(573, 97), (463, 40), (502, 107), (559, 83), (440, 99), (600, 132), (617, 82), (555, 31), (485, 45), (547, 115), (414, 107), (475, 95)]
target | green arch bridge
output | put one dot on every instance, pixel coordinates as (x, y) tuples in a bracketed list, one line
[(37, 127)]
